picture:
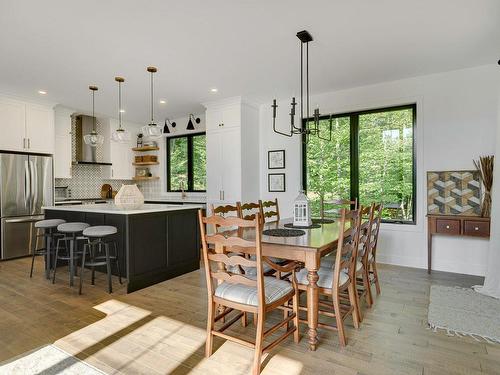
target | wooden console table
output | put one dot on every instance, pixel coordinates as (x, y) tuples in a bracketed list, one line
[(454, 225)]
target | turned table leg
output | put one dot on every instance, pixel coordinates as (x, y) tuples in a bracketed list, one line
[(312, 308)]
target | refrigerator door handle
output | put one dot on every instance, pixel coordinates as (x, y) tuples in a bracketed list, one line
[(25, 220), (34, 186), (27, 185)]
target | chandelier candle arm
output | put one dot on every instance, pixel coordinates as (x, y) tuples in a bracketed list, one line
[(305, 129)]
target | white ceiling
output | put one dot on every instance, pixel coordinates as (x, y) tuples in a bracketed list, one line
[(240, 47)]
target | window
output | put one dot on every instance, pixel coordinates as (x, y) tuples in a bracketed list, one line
[(186, 163), (371, 157)]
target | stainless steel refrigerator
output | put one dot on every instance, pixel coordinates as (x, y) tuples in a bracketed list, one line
[(26, 184)]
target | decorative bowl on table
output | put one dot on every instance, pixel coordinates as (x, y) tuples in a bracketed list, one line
[(129, 197)]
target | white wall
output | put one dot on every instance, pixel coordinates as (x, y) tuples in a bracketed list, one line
[(456, 123)]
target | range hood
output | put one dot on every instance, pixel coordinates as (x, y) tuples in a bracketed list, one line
[(85, 154)]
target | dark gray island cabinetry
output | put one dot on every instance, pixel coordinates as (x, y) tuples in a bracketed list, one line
[(155, 242)]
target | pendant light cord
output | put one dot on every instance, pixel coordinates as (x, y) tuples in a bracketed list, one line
[(93, 110), (120, 104), (152, 93)]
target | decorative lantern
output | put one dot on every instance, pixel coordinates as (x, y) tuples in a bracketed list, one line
[(301, 211), (129, 197)]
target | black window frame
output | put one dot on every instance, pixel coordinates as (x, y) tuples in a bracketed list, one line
[(354, 153), (190, 182)]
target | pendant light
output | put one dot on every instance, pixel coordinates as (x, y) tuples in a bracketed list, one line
[(93, 139), (306, 127), (152, 130), (120, 135), (190, 125)]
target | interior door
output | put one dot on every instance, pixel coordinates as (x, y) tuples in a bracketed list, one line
[(14, 185), (42, 193)]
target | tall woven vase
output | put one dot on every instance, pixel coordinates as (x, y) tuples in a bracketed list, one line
[(485, 169)]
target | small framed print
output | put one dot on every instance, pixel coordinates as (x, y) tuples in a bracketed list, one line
[(276, 182), (276, 159)]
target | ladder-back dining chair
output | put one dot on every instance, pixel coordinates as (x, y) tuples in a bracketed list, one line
[(336, 205), (269, 210), (256, 294), (340, 279)]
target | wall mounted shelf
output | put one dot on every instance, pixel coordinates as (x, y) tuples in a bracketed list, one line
[(146, 148), (138, 178), (147, 163)]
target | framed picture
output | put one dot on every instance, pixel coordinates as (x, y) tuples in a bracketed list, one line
[(276, 182), (454, 193), (276, 159)]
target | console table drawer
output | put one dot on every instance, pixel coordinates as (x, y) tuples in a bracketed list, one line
[(447, 226), (477, 228)]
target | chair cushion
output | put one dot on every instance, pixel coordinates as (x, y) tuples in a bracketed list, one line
[(49, 223), (327, 262), (253, 270), (72, 227), (359, 266), (325, 277), (99, 231), (274, 290)]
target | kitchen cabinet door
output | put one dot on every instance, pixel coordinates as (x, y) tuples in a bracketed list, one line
[(62, 156), (214, 165), (12, 125), (40, 129), (231, 165), (62, 146)]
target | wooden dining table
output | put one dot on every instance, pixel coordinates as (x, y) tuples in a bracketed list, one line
[(308, 249)]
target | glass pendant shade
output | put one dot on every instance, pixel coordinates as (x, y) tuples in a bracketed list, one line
[(152, 130), (93, 139), (120, 135)]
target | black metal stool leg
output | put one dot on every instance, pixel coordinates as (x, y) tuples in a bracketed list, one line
[(83, 266), (117, 262), (55, 260), (108, 266), (33, 250)]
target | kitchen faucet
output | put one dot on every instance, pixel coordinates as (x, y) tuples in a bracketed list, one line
[(183, 193)]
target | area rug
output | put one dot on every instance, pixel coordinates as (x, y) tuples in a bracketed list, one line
[(48, 360), (464, 312)]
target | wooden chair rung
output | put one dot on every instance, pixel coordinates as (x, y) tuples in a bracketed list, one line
[(223, 314), (230, 322), (279, 339), (277, 326), (244, 342)]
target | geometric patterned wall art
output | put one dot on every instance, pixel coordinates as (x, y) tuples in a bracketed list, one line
[(454, 193)]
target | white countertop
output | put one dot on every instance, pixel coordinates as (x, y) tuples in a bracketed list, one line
[(202, 200), (111, 208)]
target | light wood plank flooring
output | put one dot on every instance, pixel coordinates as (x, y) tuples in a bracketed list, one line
[(161, 329)]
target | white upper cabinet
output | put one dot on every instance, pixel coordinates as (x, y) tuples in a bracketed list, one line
[(226, 122), (40, 129), (12, 125), (62, 147), (26, 127), (121, 155), (223, 117)]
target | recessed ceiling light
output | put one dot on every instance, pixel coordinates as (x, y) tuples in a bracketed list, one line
[(42, 92), (122, 111), (214, 89), (162, 101)]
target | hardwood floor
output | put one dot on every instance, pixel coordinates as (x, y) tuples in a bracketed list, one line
[(161, 329)]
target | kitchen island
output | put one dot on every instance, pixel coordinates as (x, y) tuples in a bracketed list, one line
[(155, 242)]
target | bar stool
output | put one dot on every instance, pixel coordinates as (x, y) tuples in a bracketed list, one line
[(49, 233), (96, 236), (70, 231)]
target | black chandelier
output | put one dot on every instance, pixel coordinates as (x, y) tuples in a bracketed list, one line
[(305, 128)]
